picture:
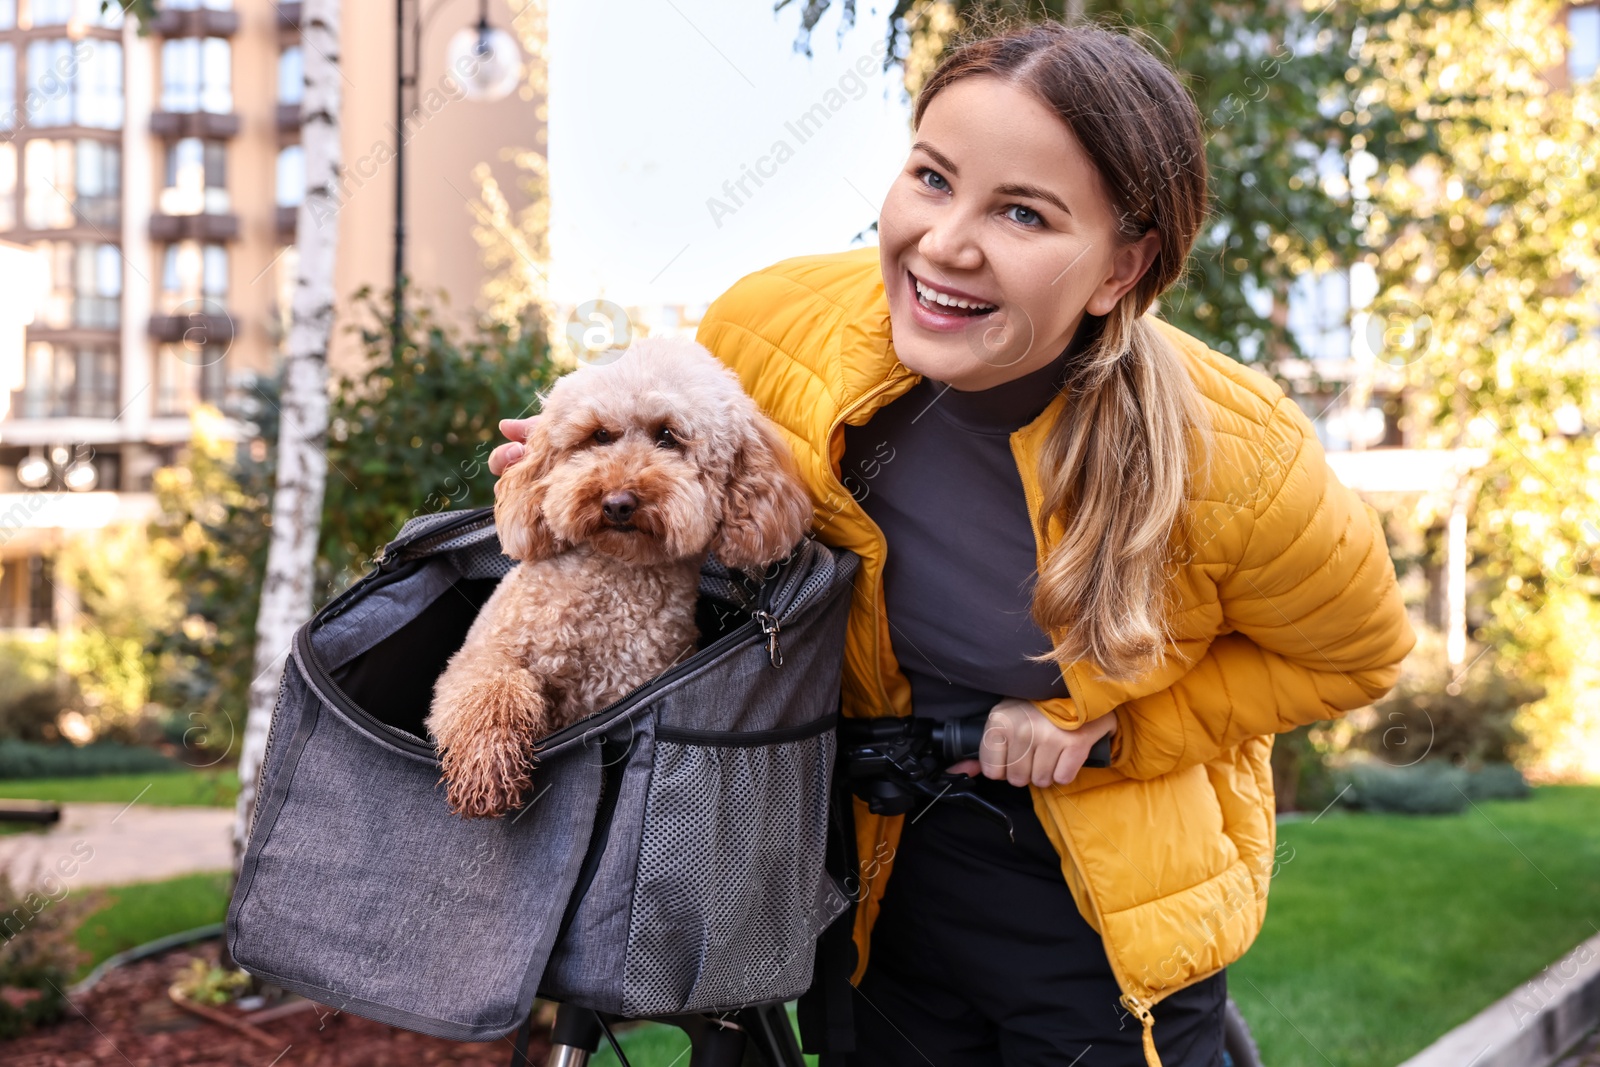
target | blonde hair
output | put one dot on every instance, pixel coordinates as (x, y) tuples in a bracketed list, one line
[(1115, 468)]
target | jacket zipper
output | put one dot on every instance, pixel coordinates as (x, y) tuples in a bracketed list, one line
[(1135, 1004), (838, 423), (877, 630)]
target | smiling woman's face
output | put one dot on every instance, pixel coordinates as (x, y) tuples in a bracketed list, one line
[(998, 208)]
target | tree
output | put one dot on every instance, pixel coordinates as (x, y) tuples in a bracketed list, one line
[(412, 433), (1483, 250), (407, 435), (303, 422)]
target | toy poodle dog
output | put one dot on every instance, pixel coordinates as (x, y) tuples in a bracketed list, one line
[(633, 472)]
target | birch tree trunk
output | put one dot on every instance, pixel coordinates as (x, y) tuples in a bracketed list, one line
[(303, 427)]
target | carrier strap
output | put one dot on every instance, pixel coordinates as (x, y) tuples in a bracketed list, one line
[(826, 1012), (519, 1048)]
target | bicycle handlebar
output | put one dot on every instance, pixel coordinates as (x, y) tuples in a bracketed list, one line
[(962, 739)]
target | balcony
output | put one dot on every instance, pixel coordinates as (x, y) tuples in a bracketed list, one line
[(205, 124), (194, 330), (288, 118), (64, 316), (288, 221), (202, 23), (288, 15), (194, 227), (81, 403)]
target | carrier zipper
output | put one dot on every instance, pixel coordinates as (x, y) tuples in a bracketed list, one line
[(326, 686), (266, 752), (443, 532), (769, 626), (386, 564), (746, 631)]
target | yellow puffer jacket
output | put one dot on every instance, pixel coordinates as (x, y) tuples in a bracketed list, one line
[(1287, 613)]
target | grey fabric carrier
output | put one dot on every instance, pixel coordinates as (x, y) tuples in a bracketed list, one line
[(671, 860)]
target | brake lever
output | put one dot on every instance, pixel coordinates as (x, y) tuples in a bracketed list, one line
[(958, 788)]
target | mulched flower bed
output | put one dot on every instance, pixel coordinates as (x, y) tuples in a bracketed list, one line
[(128, 1019)]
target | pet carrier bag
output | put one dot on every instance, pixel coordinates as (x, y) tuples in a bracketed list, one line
[(670, 856)]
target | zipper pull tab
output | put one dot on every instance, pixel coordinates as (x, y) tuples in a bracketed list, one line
[(1141, 1011), (769, 626)]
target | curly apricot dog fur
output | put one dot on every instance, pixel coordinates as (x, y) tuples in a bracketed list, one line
[(633, 472)]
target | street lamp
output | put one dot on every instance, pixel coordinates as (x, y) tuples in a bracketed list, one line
[(489, 65), (61, 465)]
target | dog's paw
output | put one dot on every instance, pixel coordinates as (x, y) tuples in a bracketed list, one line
[(487, 776), (484, 734)]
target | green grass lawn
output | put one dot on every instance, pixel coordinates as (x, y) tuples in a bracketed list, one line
[(1385, 931), (135, 914), (653, 1045), (217, 788)]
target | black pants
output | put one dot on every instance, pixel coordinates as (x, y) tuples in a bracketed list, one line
[(979, 956)]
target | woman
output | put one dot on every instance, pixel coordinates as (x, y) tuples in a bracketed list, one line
[(1097, 525)]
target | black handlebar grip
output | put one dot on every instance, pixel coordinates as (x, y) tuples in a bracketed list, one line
[(962, 739)]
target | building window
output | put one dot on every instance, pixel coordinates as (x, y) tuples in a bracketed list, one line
[(8, 14), (196, 75), (1583, 26), (1319, 314), (194, 278), (291, 75), (8, 186), (85, 286), (187, 376), (47, 194), (66, 182), (63, 381), (291, 175), (61, 12), (197, 5), (27, 596), (8, 86), (75, 83), (197, 178)]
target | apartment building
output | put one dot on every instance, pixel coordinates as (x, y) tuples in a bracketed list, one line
[(156, 179)]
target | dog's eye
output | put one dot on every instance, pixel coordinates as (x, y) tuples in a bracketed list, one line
[(602, 436), (665, 438)]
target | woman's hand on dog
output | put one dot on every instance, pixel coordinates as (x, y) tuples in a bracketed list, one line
[(516, 430), (1023, 747)]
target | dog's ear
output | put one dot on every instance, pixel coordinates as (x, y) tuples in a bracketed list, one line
[(765, 508), (519, 500)]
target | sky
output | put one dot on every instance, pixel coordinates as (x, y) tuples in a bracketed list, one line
[(689, 144)]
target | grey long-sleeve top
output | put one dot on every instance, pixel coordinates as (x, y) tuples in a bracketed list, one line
[(934, 470)]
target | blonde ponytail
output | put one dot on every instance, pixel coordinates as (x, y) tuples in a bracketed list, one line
[(1115, 470)]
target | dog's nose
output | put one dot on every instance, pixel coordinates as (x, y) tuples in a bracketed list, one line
[(619, 507)]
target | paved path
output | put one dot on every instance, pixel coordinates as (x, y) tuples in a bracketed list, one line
[(113, 844)]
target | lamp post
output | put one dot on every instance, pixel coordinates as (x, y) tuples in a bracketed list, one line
[(488, 63)]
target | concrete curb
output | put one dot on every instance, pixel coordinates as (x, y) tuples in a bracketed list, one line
[(1533, 1024)]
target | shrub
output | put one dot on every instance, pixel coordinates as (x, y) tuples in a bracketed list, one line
[(24, 759), (1432, 787), (30, 702), (1465, 719), (1301, 777), (1497, 781), (39, 951)]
